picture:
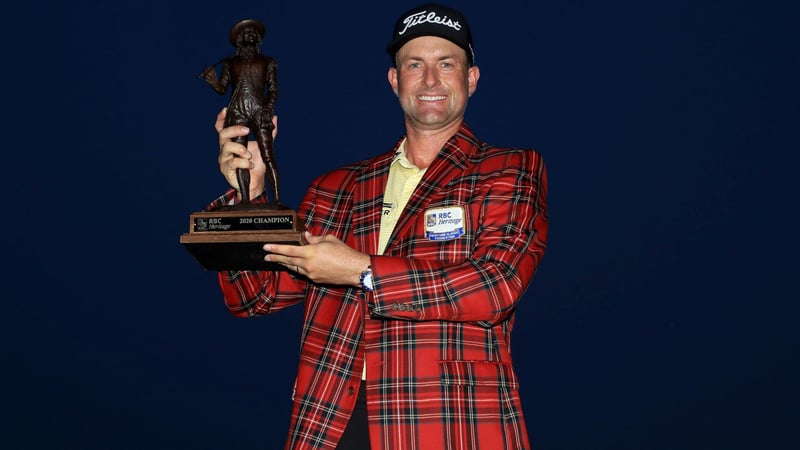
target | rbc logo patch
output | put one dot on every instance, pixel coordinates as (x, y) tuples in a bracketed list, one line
[(444, 224), (430, 220)]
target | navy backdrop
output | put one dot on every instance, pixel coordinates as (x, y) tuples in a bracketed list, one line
[(662, 316)]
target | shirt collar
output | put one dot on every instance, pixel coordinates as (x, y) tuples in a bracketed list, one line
[(400, 156)]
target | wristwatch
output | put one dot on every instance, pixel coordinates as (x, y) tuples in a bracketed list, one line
[(366, 279)]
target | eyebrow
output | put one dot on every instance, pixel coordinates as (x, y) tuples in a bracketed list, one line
[(441, 58)]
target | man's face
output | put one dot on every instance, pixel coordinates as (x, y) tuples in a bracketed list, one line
[(433, 82), (250, 36)]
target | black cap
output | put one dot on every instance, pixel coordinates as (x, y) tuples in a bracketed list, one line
[(432, 20)]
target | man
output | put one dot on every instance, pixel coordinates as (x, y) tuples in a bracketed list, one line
[(415, 262), (250, 73)]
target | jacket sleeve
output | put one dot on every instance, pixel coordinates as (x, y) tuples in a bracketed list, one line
[(254, 292), (511, 234)]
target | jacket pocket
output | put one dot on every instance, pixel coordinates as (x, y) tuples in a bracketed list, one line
[(478, 374)]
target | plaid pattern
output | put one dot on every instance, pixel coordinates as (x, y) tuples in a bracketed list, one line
[(436, 331)]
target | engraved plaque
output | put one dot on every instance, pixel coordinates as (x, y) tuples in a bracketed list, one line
[(231, 239)]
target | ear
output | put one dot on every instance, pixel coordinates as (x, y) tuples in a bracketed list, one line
[(473, 73), (392, 76)]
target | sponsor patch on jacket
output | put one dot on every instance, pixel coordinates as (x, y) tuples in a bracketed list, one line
[(444, 224)]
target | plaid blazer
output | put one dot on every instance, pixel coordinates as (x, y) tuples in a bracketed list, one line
[(435, 333)]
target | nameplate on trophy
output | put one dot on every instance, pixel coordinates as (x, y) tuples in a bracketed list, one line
[(211, 223), (234, 240)]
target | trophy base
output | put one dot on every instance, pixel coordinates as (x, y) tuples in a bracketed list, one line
[(232, 238)]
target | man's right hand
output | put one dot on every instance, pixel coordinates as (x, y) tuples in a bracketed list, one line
[(234, 156)]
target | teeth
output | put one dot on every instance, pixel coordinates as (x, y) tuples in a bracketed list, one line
[(431, 97)]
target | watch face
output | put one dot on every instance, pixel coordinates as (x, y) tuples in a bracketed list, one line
[(366, 280)]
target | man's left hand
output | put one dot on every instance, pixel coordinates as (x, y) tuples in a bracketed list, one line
[(324, 260)]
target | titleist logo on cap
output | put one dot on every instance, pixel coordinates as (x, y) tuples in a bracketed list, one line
[(428, 17)]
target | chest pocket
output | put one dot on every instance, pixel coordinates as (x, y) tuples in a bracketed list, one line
[(443, 233)]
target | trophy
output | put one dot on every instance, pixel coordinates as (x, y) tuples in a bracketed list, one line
[(231, 237)]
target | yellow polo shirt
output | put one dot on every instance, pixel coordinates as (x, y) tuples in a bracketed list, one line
[(403, 179)]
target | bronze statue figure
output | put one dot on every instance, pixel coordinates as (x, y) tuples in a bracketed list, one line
[(250, 73)]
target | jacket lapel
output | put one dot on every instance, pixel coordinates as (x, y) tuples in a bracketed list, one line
[(451, 162)]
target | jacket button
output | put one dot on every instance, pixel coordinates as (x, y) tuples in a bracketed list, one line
[(350, 390)]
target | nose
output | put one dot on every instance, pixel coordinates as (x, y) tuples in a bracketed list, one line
[(430, 77)]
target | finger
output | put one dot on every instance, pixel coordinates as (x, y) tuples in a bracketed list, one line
[(229, 161), (283, 252), (234, 156), (231, 132), (232, 149), (252, 149), (220, 122), (289, 263), (293, 267), (236, 163), (311, 239)]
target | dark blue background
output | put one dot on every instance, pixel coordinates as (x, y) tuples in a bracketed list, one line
[(662, 317)]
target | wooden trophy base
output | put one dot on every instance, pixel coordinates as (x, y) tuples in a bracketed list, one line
[(232, 237)]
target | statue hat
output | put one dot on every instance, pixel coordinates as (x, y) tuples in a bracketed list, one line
[(241, 26)]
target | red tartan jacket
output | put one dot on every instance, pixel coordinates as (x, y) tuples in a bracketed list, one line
[(436, 330)]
